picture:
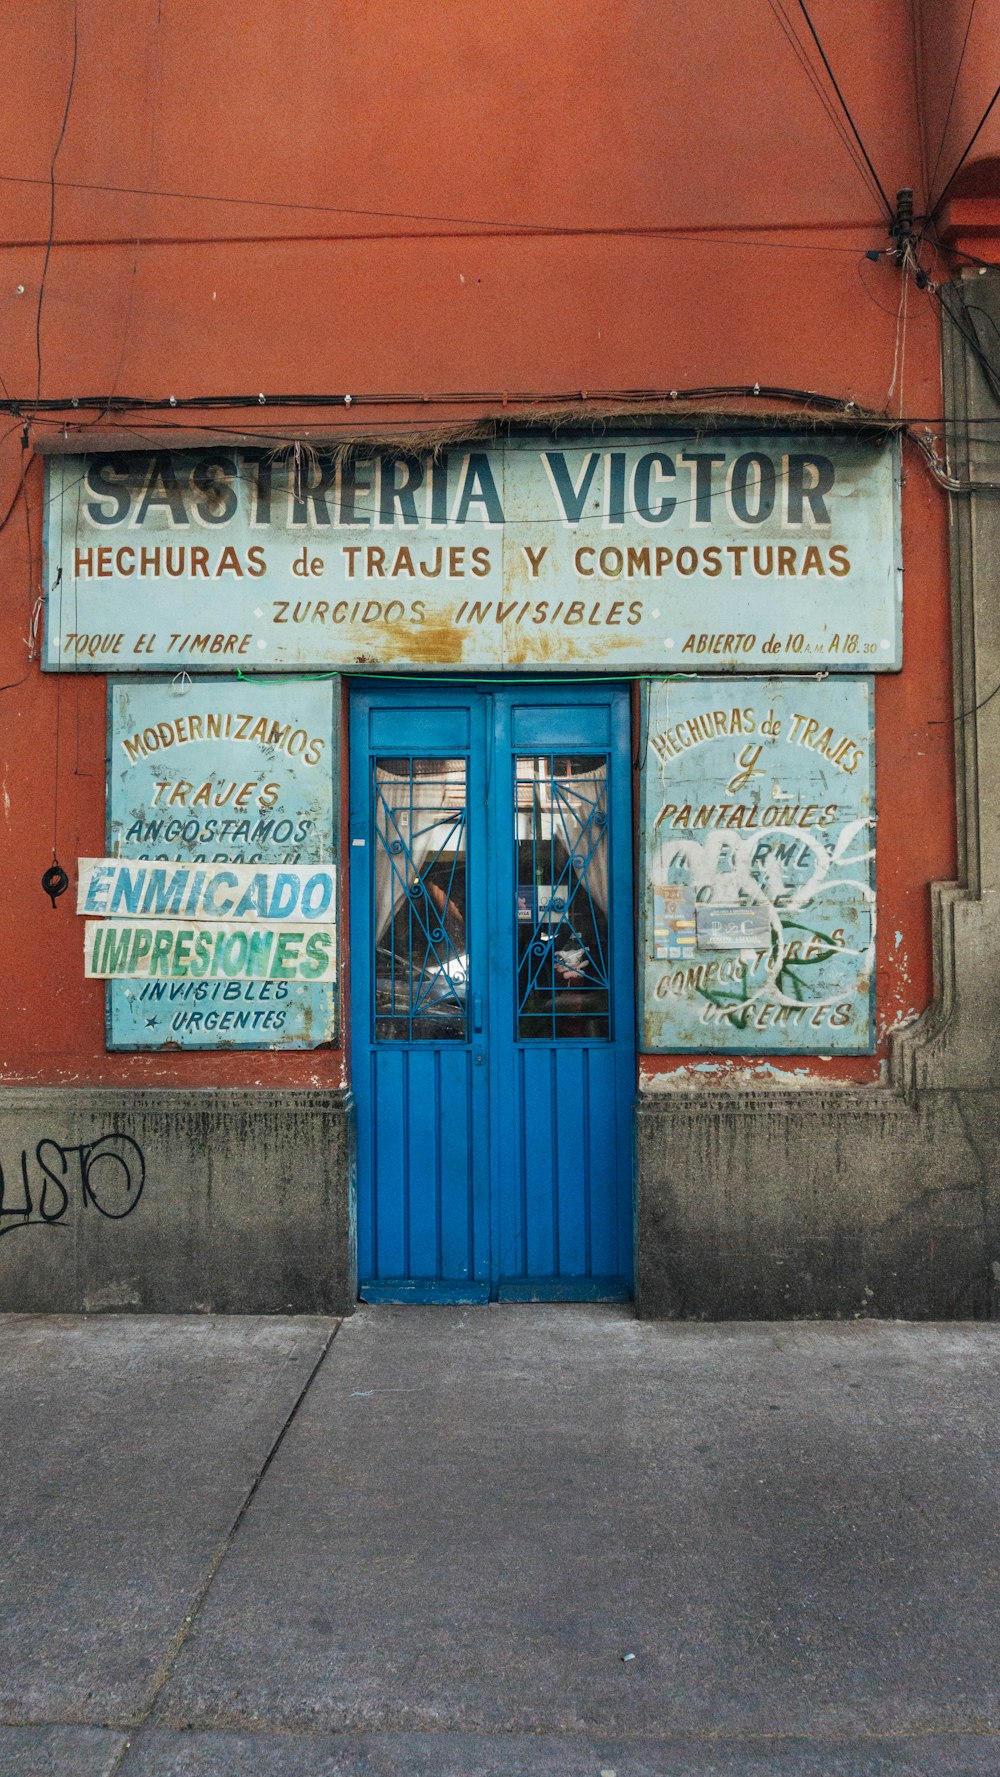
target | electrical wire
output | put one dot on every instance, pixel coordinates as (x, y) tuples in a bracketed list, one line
[(951, 101), (865, 418), (52, 197), (963, 157), (876, 422), (975, 308), (880, 423), (866, 287), (464, 222), (960, 716), (561, 421), (900, 347), (19, 489), (916, 41), (960, 253), (791, 36), (990, 370), (12, 684), (665, 234), (450, 398), (890, 212), (942, 474), (941, 470), (127, 328), (911, 267)]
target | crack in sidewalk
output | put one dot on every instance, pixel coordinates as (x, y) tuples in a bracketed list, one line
[(160, 1677)]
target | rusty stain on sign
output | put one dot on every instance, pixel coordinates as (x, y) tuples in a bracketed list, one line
[(655, 551), (758, 829)]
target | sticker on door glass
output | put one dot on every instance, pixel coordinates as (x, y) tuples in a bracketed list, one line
[(758, 844)]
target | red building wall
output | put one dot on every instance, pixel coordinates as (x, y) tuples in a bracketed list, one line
[(481, 210)]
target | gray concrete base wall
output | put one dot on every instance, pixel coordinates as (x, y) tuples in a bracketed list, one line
[(749, 1205), (216, 1201), (818, 1203)]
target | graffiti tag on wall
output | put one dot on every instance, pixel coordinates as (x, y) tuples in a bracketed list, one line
[(758, 918), (106, 1175)]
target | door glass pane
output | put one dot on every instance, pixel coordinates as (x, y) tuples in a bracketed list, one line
[(421, 952), (563, 960)]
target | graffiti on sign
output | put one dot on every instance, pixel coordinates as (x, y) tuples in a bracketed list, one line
[(106, 1175), (758, 924), (213, 917), (733, 552)]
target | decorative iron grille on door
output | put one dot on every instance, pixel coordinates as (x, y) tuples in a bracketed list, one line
[(561, 815), (421, 940)]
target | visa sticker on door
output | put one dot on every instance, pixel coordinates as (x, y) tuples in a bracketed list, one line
[(674, 926), (538, 904)]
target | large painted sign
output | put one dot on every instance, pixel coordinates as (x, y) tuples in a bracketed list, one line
[(293, 912), (213, 917), (650, 552), (758, 839)]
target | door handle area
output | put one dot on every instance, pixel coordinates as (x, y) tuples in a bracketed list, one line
[(477, 1011)]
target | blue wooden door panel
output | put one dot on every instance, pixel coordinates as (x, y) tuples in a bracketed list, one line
[(573, 1180), (533, 1152), (609, 1154), (439, 727), (422, 1103), (456, 1129), (534, 727), (422, 1113), (567, 1209), (562, 1141), (391, 1169), (495, 1161)]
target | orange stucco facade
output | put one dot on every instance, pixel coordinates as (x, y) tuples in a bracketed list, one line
[(452, 214), (357, 224)]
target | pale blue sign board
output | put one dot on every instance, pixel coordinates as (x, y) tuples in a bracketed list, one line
[(653, 551), (215, 771), (757, 926)]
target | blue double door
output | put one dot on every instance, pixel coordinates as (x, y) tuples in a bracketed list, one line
[(492, 967)]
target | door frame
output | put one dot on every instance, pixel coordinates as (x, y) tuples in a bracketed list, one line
[(476, 1288), (546, 693)]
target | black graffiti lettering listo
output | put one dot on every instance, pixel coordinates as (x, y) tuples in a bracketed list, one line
[(107, 1175)]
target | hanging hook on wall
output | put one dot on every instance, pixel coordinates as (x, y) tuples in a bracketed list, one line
[(55, 881)]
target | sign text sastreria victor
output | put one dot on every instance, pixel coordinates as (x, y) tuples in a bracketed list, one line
[(657, 553)]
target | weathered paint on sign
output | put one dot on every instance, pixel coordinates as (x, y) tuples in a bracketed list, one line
[(110, 886), (639, 553), (236, 784), (758, 840), (223, 949)]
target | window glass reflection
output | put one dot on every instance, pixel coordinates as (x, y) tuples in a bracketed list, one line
[(561, 818), (421, 951)]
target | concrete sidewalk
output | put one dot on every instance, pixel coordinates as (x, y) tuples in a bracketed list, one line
[(508, 1540)]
